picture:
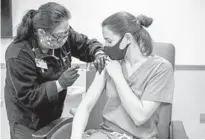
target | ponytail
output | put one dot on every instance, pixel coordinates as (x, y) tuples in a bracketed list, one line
[(25, 29), (143, 38), (144, 20)]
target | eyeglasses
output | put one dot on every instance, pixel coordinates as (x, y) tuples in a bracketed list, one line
[(60, 36)]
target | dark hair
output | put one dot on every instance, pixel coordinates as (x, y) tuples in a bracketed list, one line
[(123, 22), (47, 17)]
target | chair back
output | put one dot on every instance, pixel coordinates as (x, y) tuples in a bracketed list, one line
[(167, 51)]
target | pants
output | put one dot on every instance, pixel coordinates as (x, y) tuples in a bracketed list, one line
[(104, 134), (95, 134), (19, 131)]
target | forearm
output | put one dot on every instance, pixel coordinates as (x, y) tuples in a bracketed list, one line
[(95, 90), (79, 122), (82, 47), (129, 100), (91, 48), (38, 96), (23, 84)]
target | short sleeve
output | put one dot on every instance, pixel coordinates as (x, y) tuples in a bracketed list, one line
[(160, 87)]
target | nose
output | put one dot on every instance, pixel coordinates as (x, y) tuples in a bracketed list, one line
[(62, 39), (107, 44)]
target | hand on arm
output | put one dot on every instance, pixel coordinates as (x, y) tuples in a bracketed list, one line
[(88, 50), (100, 61), (140, 111)]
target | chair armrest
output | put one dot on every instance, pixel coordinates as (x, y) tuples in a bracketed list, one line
[(47, 131), (177, 130)]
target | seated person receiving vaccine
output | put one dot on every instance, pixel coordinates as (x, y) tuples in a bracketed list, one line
[(135, 82)]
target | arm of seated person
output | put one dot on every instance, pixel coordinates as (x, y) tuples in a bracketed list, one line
[(159, 89), (139, 110), (81, 117)]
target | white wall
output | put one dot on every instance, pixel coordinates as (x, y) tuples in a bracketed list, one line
[(189, 101), (180, 22)]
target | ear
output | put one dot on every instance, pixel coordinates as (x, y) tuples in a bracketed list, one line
[(125, 41), (128, 37)]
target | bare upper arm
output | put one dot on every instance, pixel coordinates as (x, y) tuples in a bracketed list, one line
[(94, 91)]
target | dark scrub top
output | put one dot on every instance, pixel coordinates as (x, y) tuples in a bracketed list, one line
[(31, 95), (152, 81)]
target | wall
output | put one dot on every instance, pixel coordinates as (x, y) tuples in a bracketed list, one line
[(189, 101), (179, 22)]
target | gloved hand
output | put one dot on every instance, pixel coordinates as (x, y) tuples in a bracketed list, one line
[(99, 62), (68, 77)]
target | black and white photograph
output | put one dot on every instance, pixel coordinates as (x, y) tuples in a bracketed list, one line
[(102, 69)]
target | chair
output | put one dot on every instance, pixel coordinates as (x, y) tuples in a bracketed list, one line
[(61, 128)]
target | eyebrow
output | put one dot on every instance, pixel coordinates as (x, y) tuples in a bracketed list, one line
[(62, 32), (108, 39)]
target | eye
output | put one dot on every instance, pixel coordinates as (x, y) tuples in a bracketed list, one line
[(109, 41)]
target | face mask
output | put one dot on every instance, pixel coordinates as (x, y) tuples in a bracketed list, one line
[(114, 52), (50, 43)]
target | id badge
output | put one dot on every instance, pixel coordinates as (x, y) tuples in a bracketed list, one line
[(41, 63)]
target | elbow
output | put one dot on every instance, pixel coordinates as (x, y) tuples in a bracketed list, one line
[(31, 104), (140, 119), (139, 122)]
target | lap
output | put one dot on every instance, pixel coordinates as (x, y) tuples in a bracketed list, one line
[(19, 131), (94, 134), (104, 134)]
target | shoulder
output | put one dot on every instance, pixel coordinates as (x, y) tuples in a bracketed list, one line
[(158, 66), (160, 63), (72, 33), (19, 50)]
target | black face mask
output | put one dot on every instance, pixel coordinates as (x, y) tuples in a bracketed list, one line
[(114, 52)]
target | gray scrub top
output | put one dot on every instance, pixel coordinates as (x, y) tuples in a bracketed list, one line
[(152, 81)]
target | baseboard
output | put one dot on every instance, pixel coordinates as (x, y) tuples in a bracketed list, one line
[(190, 67)]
